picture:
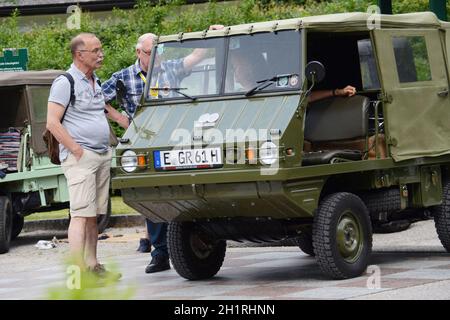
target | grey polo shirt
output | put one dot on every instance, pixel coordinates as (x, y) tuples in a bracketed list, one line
[(85, 121)]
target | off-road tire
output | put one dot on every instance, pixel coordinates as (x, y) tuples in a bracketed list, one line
[(304, 242), (328, 217), (185, 260), (441, 215), (17, 225), (6, 215)]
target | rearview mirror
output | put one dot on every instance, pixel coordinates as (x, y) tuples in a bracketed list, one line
[(315, 72)]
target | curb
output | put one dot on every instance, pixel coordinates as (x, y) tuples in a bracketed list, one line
[(127, 221), (119, 221)]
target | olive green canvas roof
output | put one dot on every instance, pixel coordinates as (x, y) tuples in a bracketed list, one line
[(354, 21), (28, 77)]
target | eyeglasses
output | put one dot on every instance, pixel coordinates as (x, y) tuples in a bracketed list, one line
[(96, 51), (147, 53)]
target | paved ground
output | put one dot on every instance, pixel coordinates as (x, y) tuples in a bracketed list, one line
[(412, 264)]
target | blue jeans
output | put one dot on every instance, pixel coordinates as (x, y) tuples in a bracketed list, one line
[(158, 238)]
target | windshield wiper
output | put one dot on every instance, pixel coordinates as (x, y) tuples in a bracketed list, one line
[(262, 84), (177, 90)]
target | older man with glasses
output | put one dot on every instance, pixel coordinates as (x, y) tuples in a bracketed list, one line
[(85, 152)]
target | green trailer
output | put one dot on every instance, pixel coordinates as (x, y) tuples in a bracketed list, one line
[(29, 182), (221, 161)]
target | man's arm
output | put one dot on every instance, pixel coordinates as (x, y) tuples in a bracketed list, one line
[(198, 54), (116, 116), (109, 92), (55, 113), (109, 87), (348, 91)]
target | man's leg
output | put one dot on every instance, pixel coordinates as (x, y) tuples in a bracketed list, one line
[(145, 245), (90, 248), (77, 240), (160, 255), (102, 177)]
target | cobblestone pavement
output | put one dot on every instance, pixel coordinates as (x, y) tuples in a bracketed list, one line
[(412, 265)]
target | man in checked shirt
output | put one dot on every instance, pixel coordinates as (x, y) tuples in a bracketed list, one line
[(134, 78)]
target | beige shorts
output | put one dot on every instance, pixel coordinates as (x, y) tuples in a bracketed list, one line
[(88, 183)]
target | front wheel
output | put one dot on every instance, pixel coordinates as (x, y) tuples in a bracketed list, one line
[(6, 216), (441, 215), (342, 236), (194, 254)]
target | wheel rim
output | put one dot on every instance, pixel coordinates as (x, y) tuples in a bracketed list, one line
[(201, 248), (349, 237)]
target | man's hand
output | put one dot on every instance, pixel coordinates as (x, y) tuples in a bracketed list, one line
[(78, 152), (348, 91), (116, 116), (198, 54)]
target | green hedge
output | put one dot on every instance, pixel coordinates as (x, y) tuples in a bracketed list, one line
[(49, 45)]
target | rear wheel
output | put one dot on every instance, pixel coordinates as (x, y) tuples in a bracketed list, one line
[(442, 217), (342, 236), (194, 254), (6, 216)]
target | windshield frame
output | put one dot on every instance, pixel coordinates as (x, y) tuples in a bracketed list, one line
[(221, 92)]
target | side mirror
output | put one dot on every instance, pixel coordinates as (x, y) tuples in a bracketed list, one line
[(121, 91), (315, 72)]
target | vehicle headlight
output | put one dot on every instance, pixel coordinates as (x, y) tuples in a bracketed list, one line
[(129, 161), (268, 153)]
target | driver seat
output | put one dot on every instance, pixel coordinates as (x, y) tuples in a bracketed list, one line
[(333, 126)]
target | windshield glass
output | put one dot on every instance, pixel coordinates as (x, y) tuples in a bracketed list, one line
[(258, 57), (195, 68), (192, 67)]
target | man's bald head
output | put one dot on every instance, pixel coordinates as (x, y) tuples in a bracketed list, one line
[(79, 42), (87, 52)]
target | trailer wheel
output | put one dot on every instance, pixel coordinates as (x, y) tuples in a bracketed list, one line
[(17, 225), (304, 242), (342, 236), (6, 216), (441, 215), (194, 254)]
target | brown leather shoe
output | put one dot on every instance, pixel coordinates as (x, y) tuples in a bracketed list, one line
[(100, 271)]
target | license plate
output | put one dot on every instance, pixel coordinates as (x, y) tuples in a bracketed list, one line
[(188, 159)]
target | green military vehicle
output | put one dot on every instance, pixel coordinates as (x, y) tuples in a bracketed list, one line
[(236, 148), (29, 182)]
